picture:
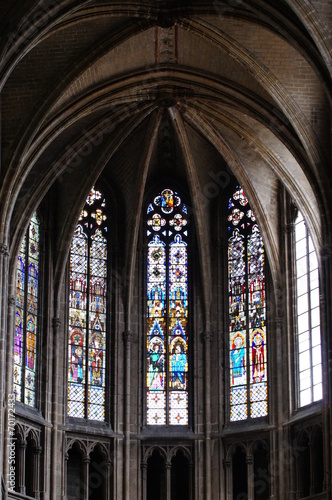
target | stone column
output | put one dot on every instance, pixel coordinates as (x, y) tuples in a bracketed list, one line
[(22, 446), (251, 479), (65, 475), (127, 338), (144, 467), (227, 463), (191, 467), (168, 466), (107, 492), (207, 337), (36, 467), (86, 462), (56, 324), (4, 438), (8, 377)]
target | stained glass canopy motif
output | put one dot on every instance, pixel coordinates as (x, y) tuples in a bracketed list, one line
[(167, 311), (87, 311), (247, 330)]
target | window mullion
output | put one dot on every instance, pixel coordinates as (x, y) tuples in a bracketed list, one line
[(87, 327), (247, 323), (168, 375), (309, 316)]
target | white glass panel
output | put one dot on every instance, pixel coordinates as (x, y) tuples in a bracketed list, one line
[(316, 355), (314, 282), (302, 304), (315, 319), (318, 392), (314, 298), (313, 262), (303, 322), (317, 374), (305, 397), (301, 248), (302, 284), (304, 344), (315, 336), (305, 380), (304, 360), (311, 245), (300, 231), (301, 266)]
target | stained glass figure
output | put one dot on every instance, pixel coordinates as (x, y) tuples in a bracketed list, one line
[(167, 311), (26, 316), (87, 311), (247, 332), (308, 316)]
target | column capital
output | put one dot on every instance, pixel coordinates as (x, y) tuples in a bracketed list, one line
[(56, 322), (4, 249), (37, 450), (207, 336), (249, 459), (128, 336), (279, 321), (227, 463), (11, 300)]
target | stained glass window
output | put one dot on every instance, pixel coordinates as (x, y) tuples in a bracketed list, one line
[(167, 310), (247, 330), (87, 311), (26, 316), (308, 316)]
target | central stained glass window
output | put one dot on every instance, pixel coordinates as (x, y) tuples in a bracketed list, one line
[(87, 311), (167, 310), (247, 331)]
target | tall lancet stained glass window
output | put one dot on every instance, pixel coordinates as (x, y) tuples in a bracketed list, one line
[(87, 311), (167, 310), (247, 330), (308, 316), (26, 316)]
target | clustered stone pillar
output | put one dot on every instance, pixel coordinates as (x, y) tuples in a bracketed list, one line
[(36, 470), (86, 463), (207, 337), (250, 473), (22, 446), (127, 338), (228, 477)]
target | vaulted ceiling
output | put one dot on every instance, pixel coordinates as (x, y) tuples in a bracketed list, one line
[(193, 91)]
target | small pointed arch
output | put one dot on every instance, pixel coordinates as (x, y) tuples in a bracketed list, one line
[(239, 472), (98, 471), (19, 433), (156, 474), (76, 452), (260, 454), (303, 463), (27, 317), (180, 474)]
